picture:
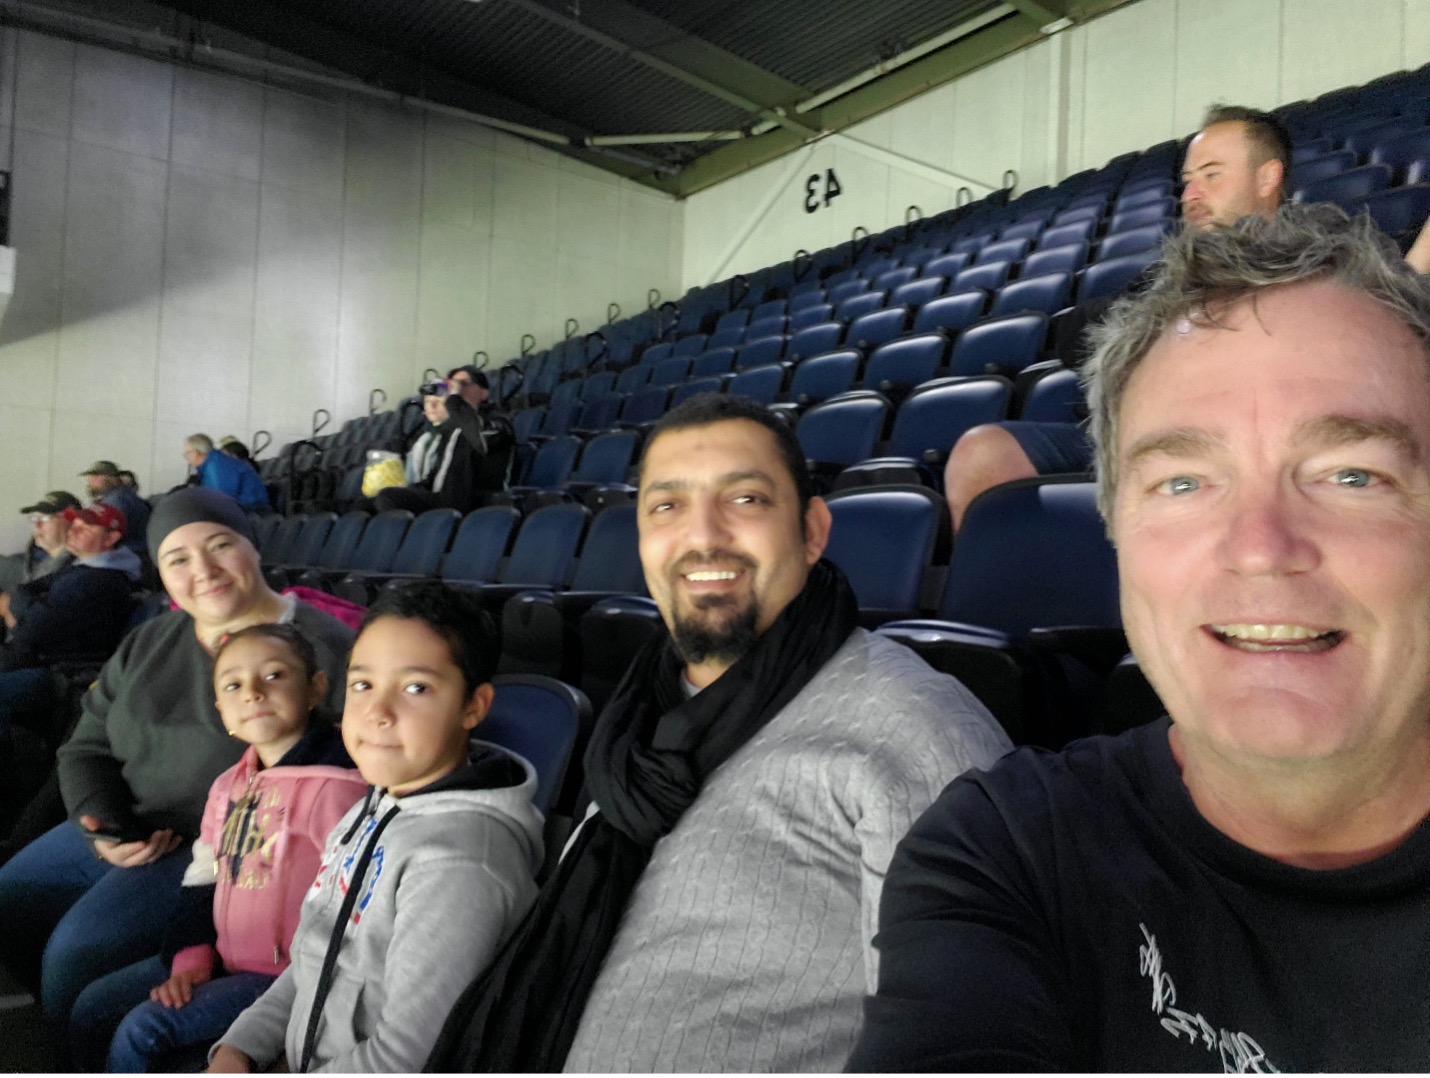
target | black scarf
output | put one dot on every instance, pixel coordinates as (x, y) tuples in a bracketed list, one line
[(650, 752)]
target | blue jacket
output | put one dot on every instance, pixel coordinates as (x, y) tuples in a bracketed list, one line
[(234, 477)]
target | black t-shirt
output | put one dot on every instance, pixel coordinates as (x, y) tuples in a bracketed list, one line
[(1074, 911)]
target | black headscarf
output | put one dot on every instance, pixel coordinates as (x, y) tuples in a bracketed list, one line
[(651, 751)]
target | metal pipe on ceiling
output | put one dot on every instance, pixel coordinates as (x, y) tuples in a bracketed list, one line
[(675, 136), (908, 56)]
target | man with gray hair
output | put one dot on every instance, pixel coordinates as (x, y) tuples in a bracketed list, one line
[(1246, 883), (230, 475)]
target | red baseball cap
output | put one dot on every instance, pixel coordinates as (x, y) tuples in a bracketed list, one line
[(100, 513)]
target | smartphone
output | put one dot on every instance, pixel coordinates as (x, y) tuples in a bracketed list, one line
[(129, 833)]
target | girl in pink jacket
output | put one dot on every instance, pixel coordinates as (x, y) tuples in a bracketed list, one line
[(259, 844)]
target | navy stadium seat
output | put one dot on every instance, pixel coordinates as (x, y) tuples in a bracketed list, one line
[(646, 406), (858, 306), (1133, 240), (730, 337), (1398, 153), (1054, 398), (537, 718), (1003, 251), (692, 345), (600, 412), (1061, 235), (842, 431), (1070, 257), (694, 387), (1149, 213), (820, 377), (883, 540), (1048, 293), (766, 327), (951, 314), (1317, 168), (999, 345), (897, 366), (542, 554), (987, 275), (1347, 187), (876, 328), (916, 293), (762, 384), (813, 340), (949, 265), (481, 540), (888, 281), (670, 372), (420, 554), (713, 362), (812, 315), (1400, 212), (1113, 275)]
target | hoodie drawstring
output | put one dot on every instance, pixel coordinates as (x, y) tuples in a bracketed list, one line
[(335, 942)]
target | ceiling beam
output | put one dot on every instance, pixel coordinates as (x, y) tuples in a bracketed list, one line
[(981, 47), (1050, 15), (686, 58)]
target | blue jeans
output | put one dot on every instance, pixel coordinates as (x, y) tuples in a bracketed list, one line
[(116, 1026), (69, 918)]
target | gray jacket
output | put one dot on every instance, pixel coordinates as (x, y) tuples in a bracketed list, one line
[(450, 878)]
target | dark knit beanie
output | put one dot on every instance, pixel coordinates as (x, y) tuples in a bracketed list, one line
[(193, 504)]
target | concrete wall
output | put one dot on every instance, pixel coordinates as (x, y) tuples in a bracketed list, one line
[(203, 253), (1140, 74)]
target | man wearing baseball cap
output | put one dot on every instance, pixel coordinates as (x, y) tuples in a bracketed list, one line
[(45, 552), (78, 611), (107, 486)]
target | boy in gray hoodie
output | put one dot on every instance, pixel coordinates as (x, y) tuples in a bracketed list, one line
[(424, 878)]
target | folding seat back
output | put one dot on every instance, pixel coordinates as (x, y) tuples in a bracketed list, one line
[(1398, 153), (1048, 292), (804, 288), (769, 326), (560, 417), (989, 276), (844, 430), (949, 265), (1149, 213), (896, 367), (1000, 345), (538, 718), (891, 279), (655, 353), (812, 315), (970, 245), (876, 328), (610, 558), (869, 268), (758, 353), (1021, 230), (527, 422), (545, 546), (840, 292), (1346, 187), (481, 540), (670, 372), (714, 362), (1400, 212), (1076, 214), (379, 543), (553, 463), (1307, 149), (1062, 235), (740, 316), (692, 345), (1033, 554), (600, 412), (1140, 192), (1111, 276), (914, 294), (425, 542), (883, 540), (607, 457), (645, 406), (564, 394), (953, 313), (761, 384), (598, 383), (731, 337), (811, 297), (1147, 237), (834, 280), (813, 340), (341, 541), (936, 415), (820, 377), (695, 387), (1318, 168), (264, 525), (1069, 258), (1003, 251), (1054, 398), (858, 306), (774, 308), (281, 546), (633, 378)]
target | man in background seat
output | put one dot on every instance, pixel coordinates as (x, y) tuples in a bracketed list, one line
[(749, 780)]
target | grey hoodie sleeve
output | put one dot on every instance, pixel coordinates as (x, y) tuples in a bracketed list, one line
[(452, 915), (260, 1030)]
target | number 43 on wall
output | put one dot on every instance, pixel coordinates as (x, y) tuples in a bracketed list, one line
[(832, 190)]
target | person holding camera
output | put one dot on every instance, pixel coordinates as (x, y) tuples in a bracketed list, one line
[(463, 455)]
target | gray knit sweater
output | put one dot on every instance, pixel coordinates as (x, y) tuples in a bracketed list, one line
[(747, 944)]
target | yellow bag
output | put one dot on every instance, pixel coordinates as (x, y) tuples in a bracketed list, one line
[(383, 469)]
